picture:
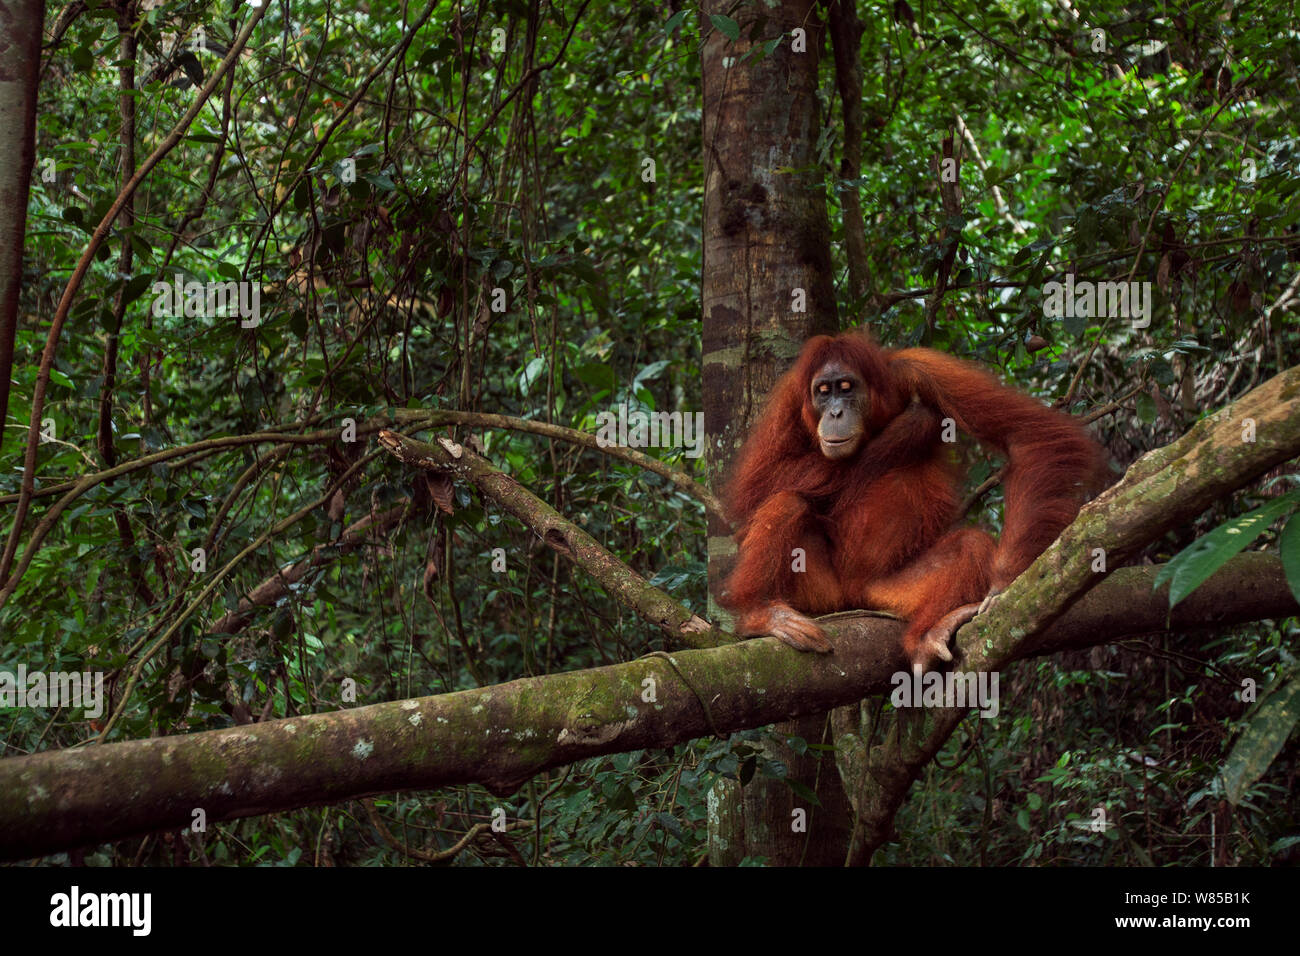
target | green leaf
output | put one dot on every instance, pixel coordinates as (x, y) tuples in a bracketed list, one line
[(726, 25), (650, 372), (192, 67), (1161, 370), (1191, 566), (532, 371), (747, 770), (675, 20), (802, 791), (1283, 844), (623, 799), (1288, 547), (596, 375), (137, 287), (1263, 738), (82, 58), (584, 271), (669, 823)]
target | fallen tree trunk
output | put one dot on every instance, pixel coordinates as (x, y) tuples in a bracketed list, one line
[(500, 736)]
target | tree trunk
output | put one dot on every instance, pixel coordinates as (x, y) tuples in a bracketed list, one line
[(767, 286), (20, 36)]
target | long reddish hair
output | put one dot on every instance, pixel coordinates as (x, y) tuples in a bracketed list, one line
[(780, 457)]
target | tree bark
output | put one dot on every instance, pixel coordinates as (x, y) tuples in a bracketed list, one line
[(20, 37), (766, 287), (500, 736)]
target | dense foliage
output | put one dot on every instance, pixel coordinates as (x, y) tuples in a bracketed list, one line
[(380, 171)]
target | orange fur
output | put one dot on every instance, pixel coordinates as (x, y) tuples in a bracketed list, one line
[(876, 529)]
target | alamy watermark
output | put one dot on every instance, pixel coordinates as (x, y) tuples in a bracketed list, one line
[(977, 689), (71, 689), (196, 299), (1086, 299), (641, 429)]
